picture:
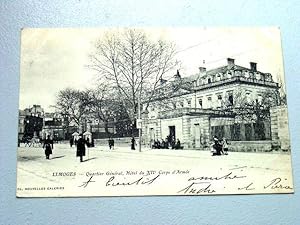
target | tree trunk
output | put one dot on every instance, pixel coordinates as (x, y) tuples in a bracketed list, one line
[(106, 127)]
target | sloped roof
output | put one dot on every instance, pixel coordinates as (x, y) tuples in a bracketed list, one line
[(185, 84), (222, 69)]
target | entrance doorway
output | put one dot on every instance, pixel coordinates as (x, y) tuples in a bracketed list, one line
[(172, 135)]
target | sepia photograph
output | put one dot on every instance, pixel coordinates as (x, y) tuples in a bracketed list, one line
[(152, 111)]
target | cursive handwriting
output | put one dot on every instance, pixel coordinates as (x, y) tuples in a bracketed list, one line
[(229, 176), (112, 181), (249, 187), (85, 183), (193, 188), (277, 184)]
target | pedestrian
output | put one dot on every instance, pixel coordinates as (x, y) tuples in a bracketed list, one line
[(178, 144), (173, 144), (71, 142), (132, 143), (225, 146), (217, 146), (80, 148), (158, 144), (163, 144), (110, 144), (113, 143), (48, 146)]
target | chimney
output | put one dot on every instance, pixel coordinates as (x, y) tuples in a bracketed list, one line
[(177, 75), (230, 61), (202, 69), (253, 66)]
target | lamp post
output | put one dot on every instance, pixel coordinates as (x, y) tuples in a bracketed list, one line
[(139, 122)]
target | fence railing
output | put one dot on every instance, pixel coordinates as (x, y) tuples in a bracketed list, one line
[(236, 79)]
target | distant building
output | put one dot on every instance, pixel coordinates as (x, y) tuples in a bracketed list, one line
[(53, 126), (30, 122), (34, 122), (223, 102)]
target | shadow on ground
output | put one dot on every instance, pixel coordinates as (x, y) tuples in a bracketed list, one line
[(28, 158), (89, 159), (57, 157)]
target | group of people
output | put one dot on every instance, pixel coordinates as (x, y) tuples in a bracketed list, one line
[(80, 144), (219, 147), (88, 142), (166, 144)]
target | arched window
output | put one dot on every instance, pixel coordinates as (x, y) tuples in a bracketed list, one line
[(248, 98), (209, 102), (246, 73), (200, 103), (257, 76), (229, 75), (219, 101), (259, 98), (230, 99), (189, 103)]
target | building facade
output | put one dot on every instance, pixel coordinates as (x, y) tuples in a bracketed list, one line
[(35, 123), (30, 122), (231, 102)]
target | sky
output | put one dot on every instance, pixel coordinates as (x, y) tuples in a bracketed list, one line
[(54, 59)]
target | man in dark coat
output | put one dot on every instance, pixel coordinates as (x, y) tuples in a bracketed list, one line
[(80, 148), (110, 143), (48, 146), (132, 143), (217, 146)]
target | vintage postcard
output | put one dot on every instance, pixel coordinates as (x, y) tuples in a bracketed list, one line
[(152, 111)]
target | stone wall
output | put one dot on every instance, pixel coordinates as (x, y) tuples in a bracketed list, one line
[(250, 146), (280, 128)]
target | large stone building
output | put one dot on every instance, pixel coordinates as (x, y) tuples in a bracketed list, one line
[(34, 122), (230, 101), (30, 122)]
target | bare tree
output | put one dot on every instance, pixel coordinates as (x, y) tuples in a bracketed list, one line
[(105, 105), (247, 108), (133, 64), (72, 103), (252, 111)]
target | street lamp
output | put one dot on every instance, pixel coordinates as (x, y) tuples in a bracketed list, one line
[(139, 120)]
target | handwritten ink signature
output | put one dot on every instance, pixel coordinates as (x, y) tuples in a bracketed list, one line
[(204, 184), (205, 187), (229, 176), (112, 181), (248, 187), (277, 183), (85, 183)]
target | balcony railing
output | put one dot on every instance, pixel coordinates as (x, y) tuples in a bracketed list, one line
[(234, 79)]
